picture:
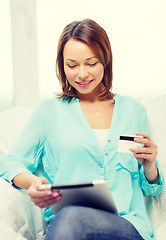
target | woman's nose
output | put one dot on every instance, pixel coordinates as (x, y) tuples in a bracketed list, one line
[(83, 73)]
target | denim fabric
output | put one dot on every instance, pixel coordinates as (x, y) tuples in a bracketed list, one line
[(82, 223)]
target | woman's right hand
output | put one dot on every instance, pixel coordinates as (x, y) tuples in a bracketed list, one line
[(42, 198)]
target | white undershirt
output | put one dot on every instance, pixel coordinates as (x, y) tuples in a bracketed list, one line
[(101, 135)]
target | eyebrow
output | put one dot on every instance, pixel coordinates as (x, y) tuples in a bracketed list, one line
[(76, 61)]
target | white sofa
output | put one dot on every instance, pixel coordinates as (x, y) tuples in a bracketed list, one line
[(20, 219)]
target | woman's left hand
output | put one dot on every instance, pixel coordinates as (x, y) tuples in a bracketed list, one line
[(146, 155)]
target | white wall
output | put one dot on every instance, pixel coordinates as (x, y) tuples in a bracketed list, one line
[(29, 37), (25, 74), (137, 31), (18, 54), (6, 64)]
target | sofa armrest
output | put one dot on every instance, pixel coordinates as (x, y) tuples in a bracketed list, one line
[(156, 207), (19, 217), (160, 232)]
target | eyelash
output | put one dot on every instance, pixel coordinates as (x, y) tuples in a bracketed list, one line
[(71, 66), (91, 65)]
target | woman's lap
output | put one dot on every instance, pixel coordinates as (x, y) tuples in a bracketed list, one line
[(82, 223)]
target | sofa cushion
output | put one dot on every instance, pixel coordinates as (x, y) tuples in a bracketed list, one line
[(156, 110), (11, 123), (156, 206)]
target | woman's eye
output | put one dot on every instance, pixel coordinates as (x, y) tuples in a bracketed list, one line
[(71, 66), (92, 64)]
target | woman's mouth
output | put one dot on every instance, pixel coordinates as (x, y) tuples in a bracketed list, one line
[(84, 83)]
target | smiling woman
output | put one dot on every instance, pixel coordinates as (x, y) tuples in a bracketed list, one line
[(88, 63), (61, 135), (82, 68)]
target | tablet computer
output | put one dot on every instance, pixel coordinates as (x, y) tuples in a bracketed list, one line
[(95, 194)]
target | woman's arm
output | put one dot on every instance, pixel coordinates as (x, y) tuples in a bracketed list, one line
[(146, 155), (31, 182), (24, 180), (152, 175), (26, 153)]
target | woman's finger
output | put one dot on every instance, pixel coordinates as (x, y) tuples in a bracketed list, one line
[(45, 198), (144, 141), (34, 192), (143, 134), (143, 156), (145, 150), (48, 202), (33, 189)]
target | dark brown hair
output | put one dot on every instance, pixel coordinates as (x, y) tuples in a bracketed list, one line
[(92, 34)]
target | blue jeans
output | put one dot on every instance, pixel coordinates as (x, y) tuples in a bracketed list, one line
[(82, 223)]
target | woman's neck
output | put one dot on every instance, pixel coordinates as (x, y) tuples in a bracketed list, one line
[(95, 96)]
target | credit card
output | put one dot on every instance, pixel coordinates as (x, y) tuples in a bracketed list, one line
[(126, 143)]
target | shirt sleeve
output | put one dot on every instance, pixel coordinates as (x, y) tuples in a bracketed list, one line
[(27, 151), (150, 189)]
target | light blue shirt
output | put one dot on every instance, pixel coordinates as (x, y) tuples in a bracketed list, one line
[(59, 135)]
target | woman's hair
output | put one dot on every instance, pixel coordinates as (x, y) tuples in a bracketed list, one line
[(92, 34)]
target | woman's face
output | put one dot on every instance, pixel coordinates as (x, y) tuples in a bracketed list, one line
[(82, 68)]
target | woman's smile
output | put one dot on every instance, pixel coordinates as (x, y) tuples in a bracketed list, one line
[(84, 83)]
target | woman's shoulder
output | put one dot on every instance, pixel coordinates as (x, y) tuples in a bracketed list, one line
[(129, 102), (53, 104), (49, 102)]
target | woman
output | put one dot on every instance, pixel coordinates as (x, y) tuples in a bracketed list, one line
[(76, 137)]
